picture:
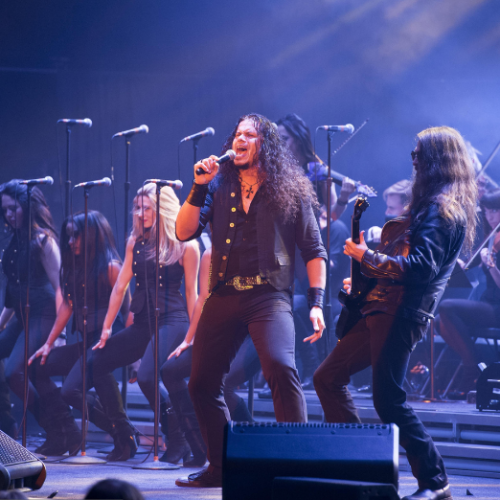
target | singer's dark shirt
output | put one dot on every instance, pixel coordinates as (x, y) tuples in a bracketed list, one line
[(243, 259), (276, 239)]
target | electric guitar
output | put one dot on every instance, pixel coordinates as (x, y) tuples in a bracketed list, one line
[(350, 314)]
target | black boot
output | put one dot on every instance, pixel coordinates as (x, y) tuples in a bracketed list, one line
[(177, 446), (56, 418), (189, 424), (241, 412), (123, 434)]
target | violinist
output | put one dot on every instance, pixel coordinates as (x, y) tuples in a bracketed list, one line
[(458, 317), (297, 136)]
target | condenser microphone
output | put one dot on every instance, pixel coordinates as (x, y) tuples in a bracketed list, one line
[(33, 182), (337, 128), (229, 155), (161, 182), (207, 132), (86, 122), (143, 129), (106, 181)]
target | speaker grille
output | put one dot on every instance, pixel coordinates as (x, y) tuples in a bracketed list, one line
[(12, 453)]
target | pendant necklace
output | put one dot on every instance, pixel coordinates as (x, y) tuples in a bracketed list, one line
[(249, 190)]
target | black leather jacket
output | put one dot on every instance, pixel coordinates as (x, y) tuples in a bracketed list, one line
[(412, 265)]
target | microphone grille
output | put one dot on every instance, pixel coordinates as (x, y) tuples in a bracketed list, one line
[(349, 128), (210, 131), (144, 128), (87, 122), (49, 180), (231, 154), (106, 181)]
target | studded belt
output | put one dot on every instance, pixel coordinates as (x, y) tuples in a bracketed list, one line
[(246, 282)]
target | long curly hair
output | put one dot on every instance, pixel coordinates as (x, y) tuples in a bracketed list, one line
[(284, 184), (446, 177), (171, 250)]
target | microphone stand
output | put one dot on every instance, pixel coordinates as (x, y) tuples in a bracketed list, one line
[(27, 322), (156, 464), (68, 181), (328, 303), (83, 458), (125, 233)]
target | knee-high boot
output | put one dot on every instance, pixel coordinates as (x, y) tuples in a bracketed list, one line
[(181, 403), (177, 446), (57, 420)]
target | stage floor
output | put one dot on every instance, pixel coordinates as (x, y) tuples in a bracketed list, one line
[(468, 440), (72, 482)]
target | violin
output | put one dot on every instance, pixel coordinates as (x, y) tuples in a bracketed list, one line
[(318, 172), (492, 241)]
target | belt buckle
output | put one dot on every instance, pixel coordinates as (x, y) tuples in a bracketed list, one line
[(238, 284)]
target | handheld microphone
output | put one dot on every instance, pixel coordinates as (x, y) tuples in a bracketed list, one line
[(33, 182), (106, 181), (86, 122), (229, 155), (207, 132), (161, 182), (337, 128), (143, 129)]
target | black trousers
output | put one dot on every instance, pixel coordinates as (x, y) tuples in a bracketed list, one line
[(125, 348), (244, 366), (385, 342), (67, 361), (12, 341), (227, 318), (457, 320)]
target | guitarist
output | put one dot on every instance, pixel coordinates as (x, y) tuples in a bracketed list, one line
[(410, 270)]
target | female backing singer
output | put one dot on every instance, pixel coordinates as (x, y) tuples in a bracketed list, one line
[(177, 261), (104, 266), (45, 292)]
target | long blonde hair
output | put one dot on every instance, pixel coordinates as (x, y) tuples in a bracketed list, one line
[(171, 250)]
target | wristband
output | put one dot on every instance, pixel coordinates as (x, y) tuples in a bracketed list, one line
[(315, 297), (342, 203), (197, 195)]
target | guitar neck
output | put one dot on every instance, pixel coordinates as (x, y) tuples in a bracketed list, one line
[(356, 276)]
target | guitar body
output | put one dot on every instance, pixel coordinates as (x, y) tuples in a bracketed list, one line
[(360, 285), (349, 315)]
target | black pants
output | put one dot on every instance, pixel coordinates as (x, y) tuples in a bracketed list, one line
[(67, 361), (227, 318), (386, 343), (457, 320), (244, 366), (125, 348), (308, 353), (12, 341)]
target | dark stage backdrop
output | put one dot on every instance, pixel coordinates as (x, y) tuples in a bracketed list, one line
[(180, 66)]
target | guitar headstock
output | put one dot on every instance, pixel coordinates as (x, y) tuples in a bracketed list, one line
[(360, 205), (366, 190)]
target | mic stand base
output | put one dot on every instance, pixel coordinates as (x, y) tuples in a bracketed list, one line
[(155, 464), (83, 460)]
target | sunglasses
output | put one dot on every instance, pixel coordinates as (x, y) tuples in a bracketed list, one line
[(415, 154)]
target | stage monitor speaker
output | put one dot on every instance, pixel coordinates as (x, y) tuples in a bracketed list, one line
[(299, 488), (19, 468), (488, 388), (256, 453)]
